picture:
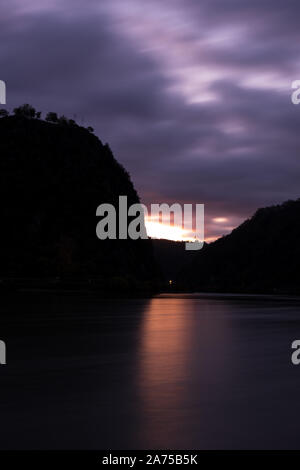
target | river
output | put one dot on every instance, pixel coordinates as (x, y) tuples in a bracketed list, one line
[(171, 372)]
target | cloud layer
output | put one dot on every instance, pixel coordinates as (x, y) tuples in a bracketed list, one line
[(193, 97)]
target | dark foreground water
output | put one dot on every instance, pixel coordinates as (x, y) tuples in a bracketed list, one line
[(171, 372)]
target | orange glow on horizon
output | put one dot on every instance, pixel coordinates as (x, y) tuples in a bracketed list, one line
[(165, 231), (156, 229), (211, 239)]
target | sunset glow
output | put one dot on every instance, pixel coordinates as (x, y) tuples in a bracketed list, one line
[(155, 229)]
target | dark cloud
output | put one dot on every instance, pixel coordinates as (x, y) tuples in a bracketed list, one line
[(193, 97)]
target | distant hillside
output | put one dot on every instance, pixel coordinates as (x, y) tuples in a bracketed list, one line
[(262, 255), (53, 176), (171, 257)]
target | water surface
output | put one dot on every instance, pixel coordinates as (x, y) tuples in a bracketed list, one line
[(172, 372)]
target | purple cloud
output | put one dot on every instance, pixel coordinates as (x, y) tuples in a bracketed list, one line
[(193, 97)]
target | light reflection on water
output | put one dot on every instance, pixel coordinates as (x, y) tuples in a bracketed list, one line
[(186, 372), (178, 342), (217, 373)]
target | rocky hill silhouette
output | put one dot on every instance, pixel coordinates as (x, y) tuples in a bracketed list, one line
[(53, 176), (262, 255)]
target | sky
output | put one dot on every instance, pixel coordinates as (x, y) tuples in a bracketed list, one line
[(193, 96)]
